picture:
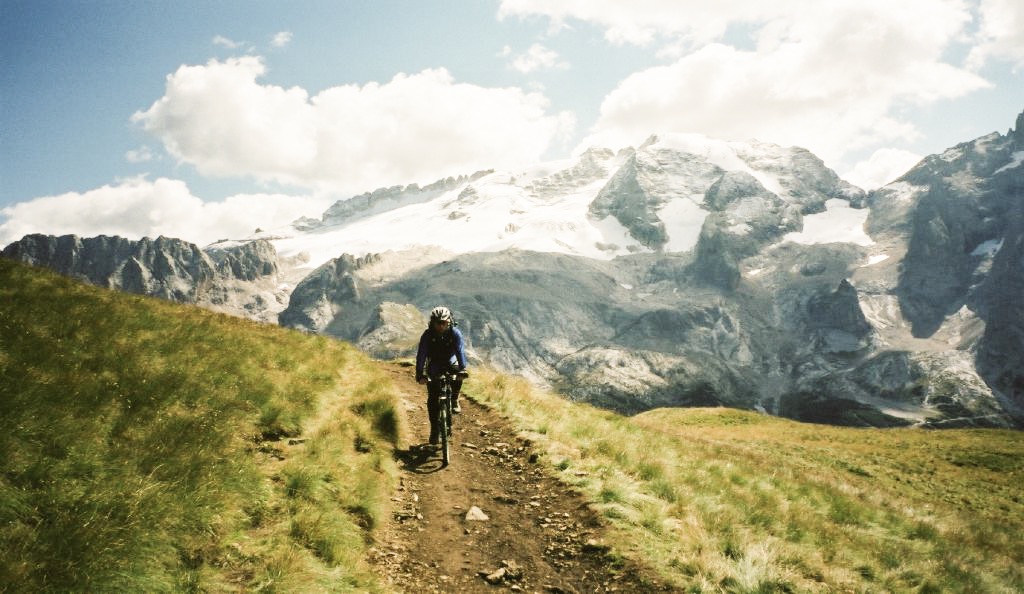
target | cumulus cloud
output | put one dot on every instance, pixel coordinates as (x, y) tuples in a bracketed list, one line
[(830, 76), (537, 57), (220, 118), (882, 167), (137, 208), (281, 39)]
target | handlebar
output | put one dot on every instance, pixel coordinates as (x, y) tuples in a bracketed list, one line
[(450, 374)]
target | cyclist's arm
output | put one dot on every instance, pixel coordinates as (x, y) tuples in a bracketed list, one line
[(421, 358), (460, 350)]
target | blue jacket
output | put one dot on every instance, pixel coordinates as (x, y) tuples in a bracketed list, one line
[(438, 352)]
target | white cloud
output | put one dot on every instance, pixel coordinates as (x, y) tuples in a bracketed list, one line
[(1000, 34), (537, 57), (642, 22), (831, 77), (414, 128), (281, 39), (139, 155), (228, 43), (882, 167), (138, 208)]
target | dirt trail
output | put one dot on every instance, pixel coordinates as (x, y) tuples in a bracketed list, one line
[(539, 536)]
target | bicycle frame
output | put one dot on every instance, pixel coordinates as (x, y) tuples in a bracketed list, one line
[(444, 413)]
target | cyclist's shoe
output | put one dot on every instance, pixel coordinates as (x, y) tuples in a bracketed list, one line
[(456, 409)]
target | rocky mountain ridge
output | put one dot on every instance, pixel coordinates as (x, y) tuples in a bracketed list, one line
[(685, 272), (239, 279)]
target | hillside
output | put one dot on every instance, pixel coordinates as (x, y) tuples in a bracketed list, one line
[(151, 446), (154, 447), (720, 500)]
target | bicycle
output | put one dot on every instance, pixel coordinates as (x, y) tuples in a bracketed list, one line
[(444, 412)]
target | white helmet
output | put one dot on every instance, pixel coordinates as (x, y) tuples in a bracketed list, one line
[(440, 314)]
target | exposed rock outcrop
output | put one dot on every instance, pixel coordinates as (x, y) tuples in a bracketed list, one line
[(383, 199), (592, 166), (836, 322), (964, 262), (162, 267), (632, 197), (393, 331), (1000, 355), (895, 388), (247, 261), (322, 295), (236, 278)]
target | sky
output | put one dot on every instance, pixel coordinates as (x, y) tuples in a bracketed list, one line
[(205, 120)]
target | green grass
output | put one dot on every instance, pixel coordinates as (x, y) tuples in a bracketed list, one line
[(720, 500), (140, 444), (133, 447)]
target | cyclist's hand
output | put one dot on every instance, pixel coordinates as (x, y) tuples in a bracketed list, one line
[(421, 380)]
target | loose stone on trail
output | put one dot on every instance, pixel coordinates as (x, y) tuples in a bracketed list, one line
[(475, 514)]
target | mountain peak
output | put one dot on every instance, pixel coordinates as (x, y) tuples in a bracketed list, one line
[(1018, 131)]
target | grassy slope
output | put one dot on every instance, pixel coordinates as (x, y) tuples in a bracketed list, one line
[(134, 442), (725, 500), (133, 446)]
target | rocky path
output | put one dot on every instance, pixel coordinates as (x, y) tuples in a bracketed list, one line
[(492, 520)]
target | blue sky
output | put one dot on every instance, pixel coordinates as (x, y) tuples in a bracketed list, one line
[(202, 119)]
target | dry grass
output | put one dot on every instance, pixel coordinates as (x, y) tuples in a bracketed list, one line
[(720, 500)]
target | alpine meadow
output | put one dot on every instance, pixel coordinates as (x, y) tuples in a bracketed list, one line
[(150, 447), (153, 446)]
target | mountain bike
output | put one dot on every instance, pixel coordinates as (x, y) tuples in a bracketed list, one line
[(444, 411)]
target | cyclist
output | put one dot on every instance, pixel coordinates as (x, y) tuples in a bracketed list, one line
[(441, 350)]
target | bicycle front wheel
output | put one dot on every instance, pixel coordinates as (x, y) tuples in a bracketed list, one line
[(444, 423)]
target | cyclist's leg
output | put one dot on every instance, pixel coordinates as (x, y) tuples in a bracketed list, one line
[(433, 407), (456, 390)]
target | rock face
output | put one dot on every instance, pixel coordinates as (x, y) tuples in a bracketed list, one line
[(712, 293), (393, 331), (247, 261), (590, 168), (953, 210), (633, 196), (959, 215), (836, 322), (240, 279), (322, 295), (725, 178), (167, 268), (1001, 348), (385, 199)]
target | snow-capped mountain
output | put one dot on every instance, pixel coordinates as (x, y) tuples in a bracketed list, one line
[(688, 271), (596, 206)]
